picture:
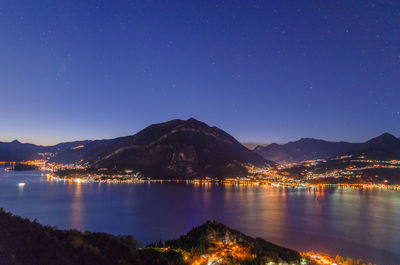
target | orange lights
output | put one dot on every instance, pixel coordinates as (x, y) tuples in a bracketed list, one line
[(223, 252), (322, 259)]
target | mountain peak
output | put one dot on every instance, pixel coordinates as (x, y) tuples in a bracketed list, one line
[(309, 140), (15, 142), (387, 135), (191, 119), (384, 138)]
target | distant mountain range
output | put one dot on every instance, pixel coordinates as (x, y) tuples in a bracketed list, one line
[(190, 148), (385, 146), (16, 151), (178, 148)]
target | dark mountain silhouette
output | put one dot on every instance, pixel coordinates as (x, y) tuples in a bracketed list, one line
[(16, 151), (383, 147), (180, 148), (304, 149), (68, 153), (176, 148), (192, 148)]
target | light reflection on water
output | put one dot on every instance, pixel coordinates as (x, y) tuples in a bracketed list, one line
[(78, 215), (350, 222)]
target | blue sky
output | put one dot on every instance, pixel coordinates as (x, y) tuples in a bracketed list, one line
[(266, 71)]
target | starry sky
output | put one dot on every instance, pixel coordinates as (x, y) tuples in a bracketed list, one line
[(265, 71)]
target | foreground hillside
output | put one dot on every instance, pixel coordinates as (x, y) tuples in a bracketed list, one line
[(26, 242), (212, 240)]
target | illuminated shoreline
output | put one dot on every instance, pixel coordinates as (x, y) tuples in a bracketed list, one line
[(258, 176), (206, 182)]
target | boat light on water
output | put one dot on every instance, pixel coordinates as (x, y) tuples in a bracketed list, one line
[(21, 184)]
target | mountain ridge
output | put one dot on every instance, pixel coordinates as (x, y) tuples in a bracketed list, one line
[(311, 149), (101, 152), (173, 149)]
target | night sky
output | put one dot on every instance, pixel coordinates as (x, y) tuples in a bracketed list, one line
[(266, 71)]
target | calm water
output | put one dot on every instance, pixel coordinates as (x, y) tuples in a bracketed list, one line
[(358, 223)]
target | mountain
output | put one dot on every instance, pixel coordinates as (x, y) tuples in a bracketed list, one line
[(383, 147), (304, 149), (177, 148), (86, 151), (190, 148), (180, 148), (16, 151)]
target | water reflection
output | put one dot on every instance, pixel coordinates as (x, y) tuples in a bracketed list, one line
[(77, 214), (345, 221), (21, 188)]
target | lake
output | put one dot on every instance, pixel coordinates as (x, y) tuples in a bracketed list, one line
[(349, 222)]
